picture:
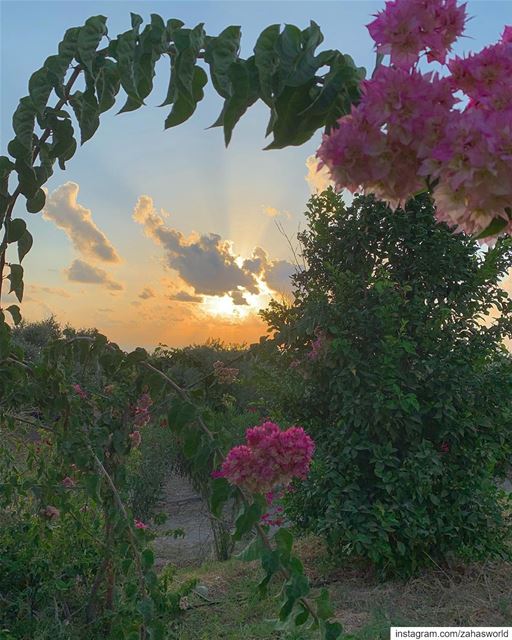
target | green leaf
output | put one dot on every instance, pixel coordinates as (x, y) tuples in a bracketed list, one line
[(184, 107), (284, 542), (192, 440), (68, 45), (301, 618), (89, 37), (138, 355), (253, 551), (147, 608), (37, 202), (220, 53), (27, 177), (494, 228), (251, 514), (39, 88), (144, 65), (85, 106), (17, 228), (266, 60), (188, 43), (16, 278), (136, 21), (92, 483), (147, 558), (297, 586), (108, 84), (23, 122), (306, 63), (244, 79), (64, 144), (262, 585), (6, 166), (14, 310), (180, 414), (24, 245), (324, 609), (331, 630), (220, 493), (125, 54), (289, 127)]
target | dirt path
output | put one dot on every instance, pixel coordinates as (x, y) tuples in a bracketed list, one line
[(185, 510)]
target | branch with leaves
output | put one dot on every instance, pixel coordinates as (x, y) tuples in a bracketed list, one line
[(304, 91)]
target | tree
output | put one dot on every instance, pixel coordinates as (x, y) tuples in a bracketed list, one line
[(402, 378)]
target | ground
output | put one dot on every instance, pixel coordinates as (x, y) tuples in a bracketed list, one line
[(227, 607)]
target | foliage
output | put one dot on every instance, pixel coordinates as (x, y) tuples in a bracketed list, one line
[(148, 468), (87, 394), (401, 377), (90, 400)]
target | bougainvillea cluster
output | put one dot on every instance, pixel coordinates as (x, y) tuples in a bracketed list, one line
[(223, 374), (140, 416), (270, 458), (318, 345), (411, 130)]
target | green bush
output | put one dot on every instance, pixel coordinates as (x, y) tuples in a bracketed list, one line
[(398, 370)]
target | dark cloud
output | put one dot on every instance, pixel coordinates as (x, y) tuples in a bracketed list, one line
[(183, 296), (276, 273), (146, 293), (206, 262), (238, 298), (81, 271), (278, 276), (77, 223)]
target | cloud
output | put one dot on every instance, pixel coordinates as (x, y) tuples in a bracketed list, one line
[(238, 298), (278, 276), (276, 273), (204, 262), (52, 291), (318, 180), (81, 271), (146, 293), (272, 212), (183, 296), (76, 221)]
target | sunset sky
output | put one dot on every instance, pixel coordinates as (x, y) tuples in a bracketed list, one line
[(157, 236)]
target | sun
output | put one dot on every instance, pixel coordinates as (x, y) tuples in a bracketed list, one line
[(223, 306)]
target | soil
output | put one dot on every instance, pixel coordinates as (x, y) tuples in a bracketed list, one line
[(185, 510)]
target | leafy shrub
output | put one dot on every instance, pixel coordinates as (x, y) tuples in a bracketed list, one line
[(398, 370), (148, 469)]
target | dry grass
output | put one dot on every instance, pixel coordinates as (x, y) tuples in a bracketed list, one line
[(476, 594)]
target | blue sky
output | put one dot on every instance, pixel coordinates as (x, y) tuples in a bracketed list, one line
[(186, 171)]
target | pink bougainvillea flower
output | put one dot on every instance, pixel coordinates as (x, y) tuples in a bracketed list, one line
[(135, 438), (410, 132), (68, 483), (506, 36), (224, 374), (405, 28), (141, 413), (139, 524), (270, 458), (79, 391), (51, 512)]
